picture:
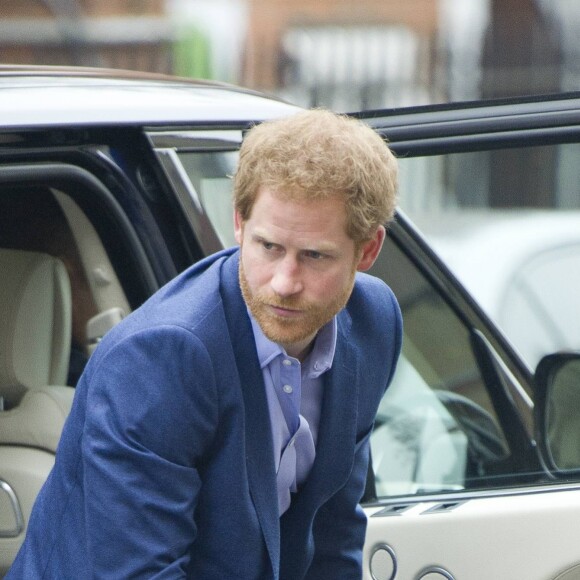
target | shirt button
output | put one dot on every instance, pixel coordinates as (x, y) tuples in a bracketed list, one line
[(286, 362), (287, 389)]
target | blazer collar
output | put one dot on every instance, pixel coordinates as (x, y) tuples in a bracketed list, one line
[(259, 450)]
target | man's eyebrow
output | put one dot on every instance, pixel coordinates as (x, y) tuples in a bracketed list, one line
[(321, 247), (258, 237)]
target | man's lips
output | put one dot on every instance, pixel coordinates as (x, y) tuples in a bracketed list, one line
[(285, 312)]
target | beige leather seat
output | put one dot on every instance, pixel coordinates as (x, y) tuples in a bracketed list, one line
[(35, 340)]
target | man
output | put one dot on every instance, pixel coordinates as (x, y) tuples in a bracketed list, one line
[(222, 430)]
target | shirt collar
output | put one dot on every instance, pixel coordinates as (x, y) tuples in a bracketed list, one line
[(319, 360)]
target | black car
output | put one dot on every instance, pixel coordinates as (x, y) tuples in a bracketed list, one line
[(111, 183)]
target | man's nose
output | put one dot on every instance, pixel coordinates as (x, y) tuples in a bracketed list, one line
[(287, 280)]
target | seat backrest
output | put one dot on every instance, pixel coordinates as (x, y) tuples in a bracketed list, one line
[(35, 342), (36, 313)]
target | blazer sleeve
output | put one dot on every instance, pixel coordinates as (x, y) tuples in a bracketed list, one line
[(152, 411)]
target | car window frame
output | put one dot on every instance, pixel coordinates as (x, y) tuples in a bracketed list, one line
[(478, 127), (496, 358)]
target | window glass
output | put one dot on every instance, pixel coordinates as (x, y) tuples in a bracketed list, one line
[(436, 429), (210, 175), (507, 222)]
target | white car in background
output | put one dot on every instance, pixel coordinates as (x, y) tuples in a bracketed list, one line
[(522, 266)]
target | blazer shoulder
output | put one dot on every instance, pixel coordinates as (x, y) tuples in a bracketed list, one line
[(372, 292), (190, 301), (374, 310)]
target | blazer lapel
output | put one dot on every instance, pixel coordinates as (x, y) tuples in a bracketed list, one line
[(338, 420), (259, 450)]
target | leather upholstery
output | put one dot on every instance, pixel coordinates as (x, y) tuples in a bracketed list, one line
[(35, 341)]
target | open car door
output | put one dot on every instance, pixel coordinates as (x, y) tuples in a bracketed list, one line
[(457, 488)]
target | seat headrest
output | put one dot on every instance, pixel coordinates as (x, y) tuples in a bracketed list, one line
[(35, 322)]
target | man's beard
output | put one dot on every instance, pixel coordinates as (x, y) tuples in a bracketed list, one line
[(290, 330)]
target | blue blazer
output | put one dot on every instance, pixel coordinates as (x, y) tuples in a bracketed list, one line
[(165, 467)]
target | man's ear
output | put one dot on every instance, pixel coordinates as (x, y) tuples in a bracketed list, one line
[(238, 226), (370, 250)]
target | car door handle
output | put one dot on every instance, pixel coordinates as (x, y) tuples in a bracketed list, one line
[(447, 506)]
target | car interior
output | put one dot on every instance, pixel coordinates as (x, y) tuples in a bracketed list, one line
[(59, 295)]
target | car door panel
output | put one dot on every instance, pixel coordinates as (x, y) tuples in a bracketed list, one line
[(530, 534)]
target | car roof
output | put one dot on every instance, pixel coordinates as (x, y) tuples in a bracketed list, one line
[(68, 96)]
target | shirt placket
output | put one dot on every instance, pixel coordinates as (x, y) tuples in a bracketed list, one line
[(288, 389)]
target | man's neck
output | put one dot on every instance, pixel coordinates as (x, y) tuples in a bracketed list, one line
[(299, 350)]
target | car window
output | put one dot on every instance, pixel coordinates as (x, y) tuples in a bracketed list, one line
[(210, 175), (544, 294), (44, 220), (32, 220), (507, 222), (436, 429)]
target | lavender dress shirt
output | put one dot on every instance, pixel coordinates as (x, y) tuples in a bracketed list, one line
[(294, 391)]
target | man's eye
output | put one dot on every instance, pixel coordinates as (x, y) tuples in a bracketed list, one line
[(314, 255), (268, 245)]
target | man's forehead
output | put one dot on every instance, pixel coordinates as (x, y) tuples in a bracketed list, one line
[(326, 216)]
